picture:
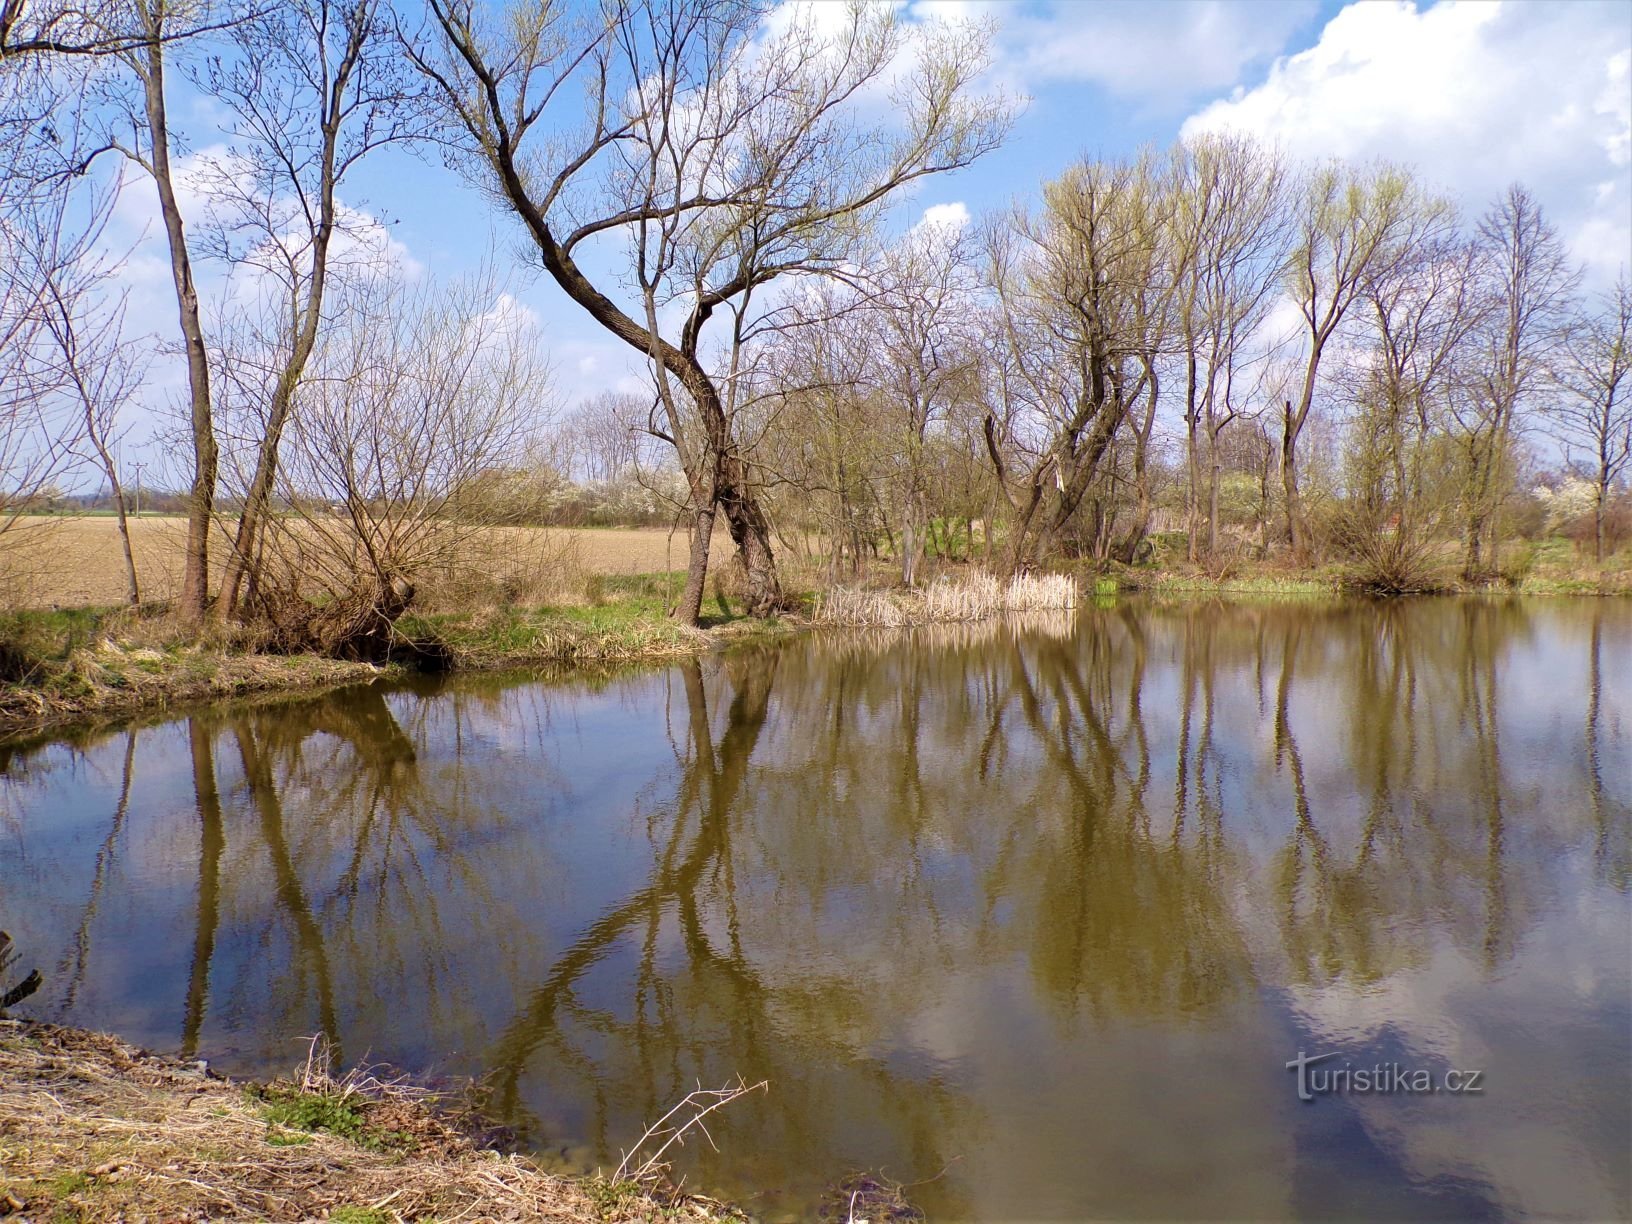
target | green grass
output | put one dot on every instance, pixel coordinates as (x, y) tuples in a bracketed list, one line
[(627, 619), (307, 1111), (69, 1184), (359, 1215), (51, 633), (1244, 584), (292, 1117)]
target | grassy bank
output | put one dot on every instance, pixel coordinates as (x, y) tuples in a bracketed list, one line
[(92, 1129), (1548, 567), (623, 619), (65, 666), (49, 676)]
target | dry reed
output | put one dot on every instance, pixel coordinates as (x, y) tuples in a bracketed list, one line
[(977, 597)]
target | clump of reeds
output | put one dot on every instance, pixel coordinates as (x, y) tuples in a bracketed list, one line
[(854, 606), (1040, 593), (979, 596)]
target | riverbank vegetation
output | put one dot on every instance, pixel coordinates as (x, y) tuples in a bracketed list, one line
[(58, 666)]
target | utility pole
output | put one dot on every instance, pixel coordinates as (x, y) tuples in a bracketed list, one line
[(138, 467)]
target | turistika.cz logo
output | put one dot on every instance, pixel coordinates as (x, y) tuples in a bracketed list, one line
[(1379, 1079)]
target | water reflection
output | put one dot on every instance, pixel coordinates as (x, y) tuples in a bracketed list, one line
[(1033, 915)]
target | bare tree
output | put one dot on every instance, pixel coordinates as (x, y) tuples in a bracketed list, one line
[(828, 450), (407, 405), (91, 362), (723, 157), (1531, 285), (31, 29), (1422, 308), (1591, 414), (1229, 247), (312, 87), (915, 323), (604, 435), (139, 128), (44, 241)]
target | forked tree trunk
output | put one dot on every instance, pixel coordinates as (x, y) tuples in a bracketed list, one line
[(751, 532), (256, 501), (733, 490)]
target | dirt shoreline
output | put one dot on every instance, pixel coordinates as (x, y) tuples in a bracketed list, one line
[(94, 1129)]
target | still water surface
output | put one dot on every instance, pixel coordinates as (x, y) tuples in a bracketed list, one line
[(1033, 917)]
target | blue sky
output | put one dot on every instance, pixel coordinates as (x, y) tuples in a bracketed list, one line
[(1475, 94)]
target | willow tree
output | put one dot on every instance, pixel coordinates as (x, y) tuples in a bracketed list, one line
[(1422, 310), (1348, 226), (1229, 246), (906, 328), (1081, 309), (711, 147)]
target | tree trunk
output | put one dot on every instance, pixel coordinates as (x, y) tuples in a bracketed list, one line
[(1295, 536), (1213, 474), (1598, 522), (1473, 566), (256, 501), (912, 539), (110, 468), (195, 580), (751, 533), (1192, 493), (689, 610)]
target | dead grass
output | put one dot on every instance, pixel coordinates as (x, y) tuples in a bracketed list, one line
[(92, 1129)]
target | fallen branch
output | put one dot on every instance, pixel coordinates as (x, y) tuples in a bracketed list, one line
[(700, 1103)]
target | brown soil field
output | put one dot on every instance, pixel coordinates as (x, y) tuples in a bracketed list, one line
[(77, 561)]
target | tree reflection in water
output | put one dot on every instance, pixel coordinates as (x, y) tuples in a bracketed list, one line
[(946, 891)]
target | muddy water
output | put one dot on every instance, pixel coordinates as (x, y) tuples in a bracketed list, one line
[(1030, 917)]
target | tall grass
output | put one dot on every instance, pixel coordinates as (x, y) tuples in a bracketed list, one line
[(947, 600)]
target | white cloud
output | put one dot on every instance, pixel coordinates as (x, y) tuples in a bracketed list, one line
[(135, 240), (1476, 95), (953, 216), (1160, 53)]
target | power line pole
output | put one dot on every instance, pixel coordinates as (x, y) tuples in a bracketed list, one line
[(138, 467)]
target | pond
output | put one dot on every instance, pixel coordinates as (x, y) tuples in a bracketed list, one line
[(1029, 917)]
